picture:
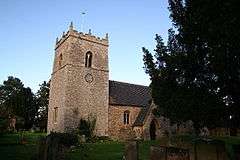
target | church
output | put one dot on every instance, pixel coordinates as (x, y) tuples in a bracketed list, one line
[(80, 89)]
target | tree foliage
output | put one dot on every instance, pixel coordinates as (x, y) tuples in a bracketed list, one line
[(196, 74), (86, 127), (19, 102), (16, 100), (42, 97)]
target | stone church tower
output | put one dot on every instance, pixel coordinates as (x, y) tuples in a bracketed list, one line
[(79, 82)]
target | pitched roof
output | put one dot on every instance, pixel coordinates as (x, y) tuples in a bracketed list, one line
[(126, 94), (141, 116)]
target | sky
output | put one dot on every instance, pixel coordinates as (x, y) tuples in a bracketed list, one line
[(28, 31)]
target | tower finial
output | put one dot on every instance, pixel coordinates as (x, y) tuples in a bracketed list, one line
[(71, 26), (106, 36)]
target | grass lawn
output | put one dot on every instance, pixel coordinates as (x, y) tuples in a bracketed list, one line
[(11, 149), (98, 151), (109, 151), (112, 150)]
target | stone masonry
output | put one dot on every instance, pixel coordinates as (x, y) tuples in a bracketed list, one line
[(116, 126)]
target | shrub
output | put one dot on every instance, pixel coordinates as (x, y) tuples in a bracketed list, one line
[(86, 127), (66, 139), (19, 123), (3, 124)]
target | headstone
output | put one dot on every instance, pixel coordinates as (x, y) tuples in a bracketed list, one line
[(131, 151), (82, 138), (236, 150), (215, 150), (12, 123), (221, 151), (157, 153), (177, 153), (42, 152), (204, 132)]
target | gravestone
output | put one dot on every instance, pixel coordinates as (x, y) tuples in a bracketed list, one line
[(168, 153), (157, 153), (131, 151), (177, 153), (236, 150), (210, 149), (82, 138)]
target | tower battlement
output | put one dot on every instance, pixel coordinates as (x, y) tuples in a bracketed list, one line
[(83, 36)]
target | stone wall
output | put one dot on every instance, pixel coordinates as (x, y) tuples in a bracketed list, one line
[(57, 96), (117, 128), (86, 100)]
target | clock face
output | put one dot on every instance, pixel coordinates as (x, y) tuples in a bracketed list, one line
[(88, 78)]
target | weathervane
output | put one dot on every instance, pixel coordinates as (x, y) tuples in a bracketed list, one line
[(82, 15)]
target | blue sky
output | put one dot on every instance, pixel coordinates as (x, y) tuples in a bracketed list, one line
[(29, 29)]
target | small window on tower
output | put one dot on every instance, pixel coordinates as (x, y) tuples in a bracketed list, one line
[(126, 117), (55, 114), (88, 60), (60, 60)]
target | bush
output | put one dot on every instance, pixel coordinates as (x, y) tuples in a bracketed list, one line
[(3, 124), (20, 123), (66, 139), (86, 127)]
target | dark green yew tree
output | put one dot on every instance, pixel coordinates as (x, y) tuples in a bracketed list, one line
[(42, 98), (196, 75)]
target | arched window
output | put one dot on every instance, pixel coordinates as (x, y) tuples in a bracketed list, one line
[(126, 117), (88, 59)]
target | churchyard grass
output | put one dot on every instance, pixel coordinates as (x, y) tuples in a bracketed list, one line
[(98, 151), (12, 149), (109, 151)]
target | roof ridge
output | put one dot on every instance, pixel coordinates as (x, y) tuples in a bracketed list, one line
[(129, 83)]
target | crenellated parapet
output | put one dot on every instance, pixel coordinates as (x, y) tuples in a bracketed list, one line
[(83, 36)]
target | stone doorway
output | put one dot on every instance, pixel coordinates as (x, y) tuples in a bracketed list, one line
[(153, 128)]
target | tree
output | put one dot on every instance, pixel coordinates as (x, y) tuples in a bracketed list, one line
[(42, 96), (10, 91), (16, 100), (29, 107), (197, 76)]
